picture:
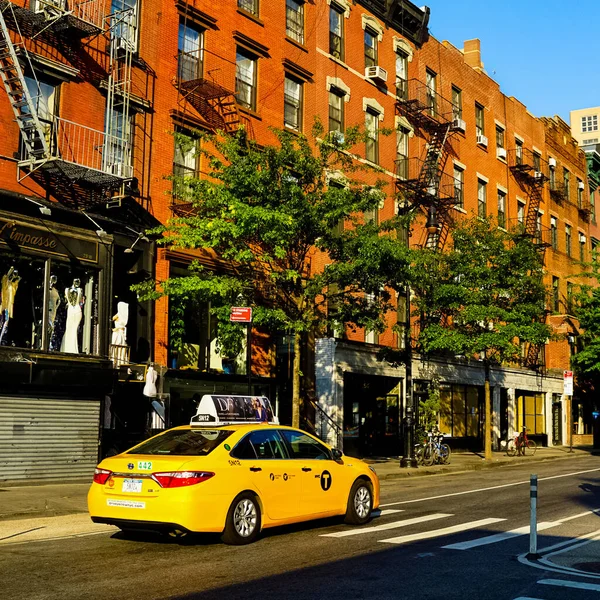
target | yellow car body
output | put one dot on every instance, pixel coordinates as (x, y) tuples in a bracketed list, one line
[(135, 489)]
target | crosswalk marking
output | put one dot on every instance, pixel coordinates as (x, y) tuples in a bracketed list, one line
[(500, 537), (385, 512), (403, 539), (578, 585), (386, 526)]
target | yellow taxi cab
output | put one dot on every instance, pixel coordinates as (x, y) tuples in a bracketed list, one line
[(234, 470)]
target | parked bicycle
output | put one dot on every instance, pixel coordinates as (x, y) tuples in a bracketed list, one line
[(521, 445), (432, 450)]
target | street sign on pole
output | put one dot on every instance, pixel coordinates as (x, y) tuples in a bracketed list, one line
[(241, 314), (568, 383)]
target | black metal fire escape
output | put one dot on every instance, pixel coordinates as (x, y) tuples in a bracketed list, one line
[(423, 184), (531, 173)]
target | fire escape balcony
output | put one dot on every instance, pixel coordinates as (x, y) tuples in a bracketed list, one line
[(76, 19), (421, 105), (559, 190), (80, 156), (207, 82), (542, 235), (528, 166)]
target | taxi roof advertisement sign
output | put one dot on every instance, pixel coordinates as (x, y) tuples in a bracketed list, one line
[(241, 314), (219, 409)]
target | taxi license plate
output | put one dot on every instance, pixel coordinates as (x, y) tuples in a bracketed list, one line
[(132, 485)]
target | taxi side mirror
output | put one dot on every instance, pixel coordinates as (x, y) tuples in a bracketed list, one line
[(337, 454)]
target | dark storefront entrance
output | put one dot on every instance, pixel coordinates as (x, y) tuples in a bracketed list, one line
[(371, 415)]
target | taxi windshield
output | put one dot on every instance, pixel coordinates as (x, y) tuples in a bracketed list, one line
[(183, 442)]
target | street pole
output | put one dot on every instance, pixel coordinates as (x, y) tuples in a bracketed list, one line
[(408, 458), (249, 357)]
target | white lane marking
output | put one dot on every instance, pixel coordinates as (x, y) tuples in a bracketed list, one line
[(487, 489), (382, 513), (403, 539), (500, 537), (578, 585), (386, 526)]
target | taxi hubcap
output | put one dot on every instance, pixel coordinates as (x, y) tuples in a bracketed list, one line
[(244, 517), (362, 502)]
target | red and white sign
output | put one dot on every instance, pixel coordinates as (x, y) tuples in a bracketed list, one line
[(241, 314), (568, 383)]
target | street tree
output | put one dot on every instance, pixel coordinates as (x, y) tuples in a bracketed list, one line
[(482, 299), (271, 215)]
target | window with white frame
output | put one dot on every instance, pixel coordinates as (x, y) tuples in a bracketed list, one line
[(518, 151), (370, 47), (459, 182), (521, 213), (294, 20), (336, 110), (579, 193), (336, 31), (568, 245), (245, 78), (501, 209), (456, 103), (479, 119), (124, 22), (292, 114), (582, 241), (481, 198), (554, 232), (372, 141), (402, 136), (401, 75), (250, 6), (431, 84), (499, 137), (589, 123), (185, 164), (189, 52)]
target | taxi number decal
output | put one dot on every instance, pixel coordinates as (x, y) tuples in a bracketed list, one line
[(325, 480), (235, 463), (144, 465)]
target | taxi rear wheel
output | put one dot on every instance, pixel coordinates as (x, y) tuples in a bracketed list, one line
[(243, 520), (360, 503)]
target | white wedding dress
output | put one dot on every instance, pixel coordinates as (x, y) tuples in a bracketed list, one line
[(70, 342)]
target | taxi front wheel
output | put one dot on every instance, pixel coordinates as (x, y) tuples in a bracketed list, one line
[(360, 503), (243, 520)]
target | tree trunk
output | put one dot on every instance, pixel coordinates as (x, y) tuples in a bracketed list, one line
[(488, 415), (296, 382)]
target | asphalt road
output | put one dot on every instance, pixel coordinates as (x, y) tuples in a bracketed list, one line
[(401, 554)]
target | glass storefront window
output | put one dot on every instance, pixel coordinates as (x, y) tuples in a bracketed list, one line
[(460, 410), (530, 413), (71, 312)]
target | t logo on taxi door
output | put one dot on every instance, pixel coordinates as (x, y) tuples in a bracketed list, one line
[(325, 480)]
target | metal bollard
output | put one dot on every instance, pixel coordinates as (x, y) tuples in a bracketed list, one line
[(533, 491)]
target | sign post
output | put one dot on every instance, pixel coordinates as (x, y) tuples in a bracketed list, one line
[(568, 392), (243, 314)]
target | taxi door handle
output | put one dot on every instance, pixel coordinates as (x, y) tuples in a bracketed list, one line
[(306, 469), (254, 469)]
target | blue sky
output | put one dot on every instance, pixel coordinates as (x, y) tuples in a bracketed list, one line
[(546, 53)]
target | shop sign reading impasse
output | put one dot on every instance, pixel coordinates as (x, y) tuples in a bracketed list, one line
[(15, 234)]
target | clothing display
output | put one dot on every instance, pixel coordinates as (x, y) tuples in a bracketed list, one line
[(150, 387), (74, 298), (10, 284), (119, 332)]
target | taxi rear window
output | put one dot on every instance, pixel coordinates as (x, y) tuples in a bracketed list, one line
[(184, 442)]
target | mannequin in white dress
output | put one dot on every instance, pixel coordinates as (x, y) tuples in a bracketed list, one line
[(119, 332), (74, 297), (150, 387)]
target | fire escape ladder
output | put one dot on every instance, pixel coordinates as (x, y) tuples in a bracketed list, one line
[(226, 106), (34, 134)]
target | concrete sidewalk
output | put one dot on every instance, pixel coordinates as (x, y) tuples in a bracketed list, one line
[(20, 501)]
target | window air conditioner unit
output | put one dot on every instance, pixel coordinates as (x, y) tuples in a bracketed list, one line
[(482, 140), (581, 185), (537, 174), (377, 72), (501, 153), (552, 162), (459, 124)]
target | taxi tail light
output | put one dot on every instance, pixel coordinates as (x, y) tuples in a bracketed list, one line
[(175, 479), (101, 476)]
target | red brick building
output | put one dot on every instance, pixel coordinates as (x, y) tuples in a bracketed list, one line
[(93, 95)]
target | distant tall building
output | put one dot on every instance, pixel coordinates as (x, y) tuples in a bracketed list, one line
[(584, 125)]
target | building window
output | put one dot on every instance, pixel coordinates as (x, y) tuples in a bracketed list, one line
[(245, 79), (189, 54), (117, 148), (294, 20), (293, 104), (123, 21), (537, 162), (431, 84), (552, 173), (372, 129), (250, 6), (481, 198), (185, 164), (401, 75), (589, 123), (402, 153), (568, 248), (593, 206), (336, 31), (579, 193), (530, 412), (44, 95), (336, 110), (521, 213), (479, 120), (501, 209), (460, 410), (518, 152), (570, 292), (582, 241), (567, 181), (554, 232), (499, 137), (456, 103), (370, 48), (459, 182), (555, 294), (538, 228)]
